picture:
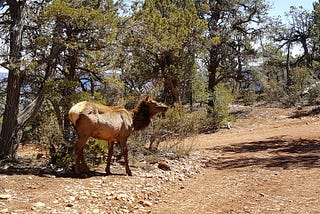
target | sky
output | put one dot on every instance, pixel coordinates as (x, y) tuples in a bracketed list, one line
[(281, 6), (278, 9)]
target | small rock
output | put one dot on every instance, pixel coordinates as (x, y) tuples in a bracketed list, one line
[(87, 193), (121, 196), (96, 211), (72, 198), (5, 196), (148, 175), (39, 204), (147, 203), (83, 197), (69, 205), (181, 177), (48, 176), (5, 210), (164, 166)]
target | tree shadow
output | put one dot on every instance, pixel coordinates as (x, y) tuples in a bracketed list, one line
[(27, 166), (241, 113), (283, 153), (299, 113)]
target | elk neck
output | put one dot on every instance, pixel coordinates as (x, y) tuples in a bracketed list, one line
[(141, 116)]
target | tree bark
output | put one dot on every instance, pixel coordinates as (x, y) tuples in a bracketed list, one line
[(173, 84), (16, 76), (288, 69), (212, 81)]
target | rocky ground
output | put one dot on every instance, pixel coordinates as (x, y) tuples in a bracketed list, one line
[(40, 192), (268, 162)]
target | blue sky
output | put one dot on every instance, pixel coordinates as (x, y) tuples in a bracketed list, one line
[(282, 6)]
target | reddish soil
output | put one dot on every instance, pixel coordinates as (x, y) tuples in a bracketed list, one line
[(268, 162)]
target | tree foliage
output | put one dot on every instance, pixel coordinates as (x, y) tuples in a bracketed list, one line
[(232, 27), (162, 39), (63, 48)]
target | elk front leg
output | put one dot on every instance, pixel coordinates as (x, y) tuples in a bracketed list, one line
[(110, 153)]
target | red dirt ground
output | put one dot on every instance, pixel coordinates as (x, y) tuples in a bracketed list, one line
[(268, 162)]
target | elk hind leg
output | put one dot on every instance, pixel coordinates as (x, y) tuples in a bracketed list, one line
[(124, 151), (80, 163)]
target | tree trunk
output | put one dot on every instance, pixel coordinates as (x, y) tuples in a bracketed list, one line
[(13, 120), (214, 60), (212, 70), (9, 132), (288, 72), (306, 52), (173, 84), (10, 121)]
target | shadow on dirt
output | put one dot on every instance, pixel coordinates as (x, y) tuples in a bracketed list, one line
[(283, 153), (312, 112), (241, 113), (26, 166)]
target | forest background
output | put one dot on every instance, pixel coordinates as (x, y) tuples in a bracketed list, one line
[(198, 56)]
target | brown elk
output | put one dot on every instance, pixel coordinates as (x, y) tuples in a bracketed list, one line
[(112, 124)]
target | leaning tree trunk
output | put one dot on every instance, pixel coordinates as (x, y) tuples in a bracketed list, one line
[(10, 127), (10, 120)]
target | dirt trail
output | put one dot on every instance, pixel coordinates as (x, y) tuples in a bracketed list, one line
[(269, 163)]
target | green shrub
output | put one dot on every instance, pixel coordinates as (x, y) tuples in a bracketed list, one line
[(95, 151), (290, 93), (173, 132), (178, 147), (301, 78), (219, 114), (178, 121), (60, 151), (199, 88), (177, 124), (61, 156), (274, 91), (313, 94), (249, 96)]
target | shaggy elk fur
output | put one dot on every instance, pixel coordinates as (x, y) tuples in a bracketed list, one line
[(112, 124)]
